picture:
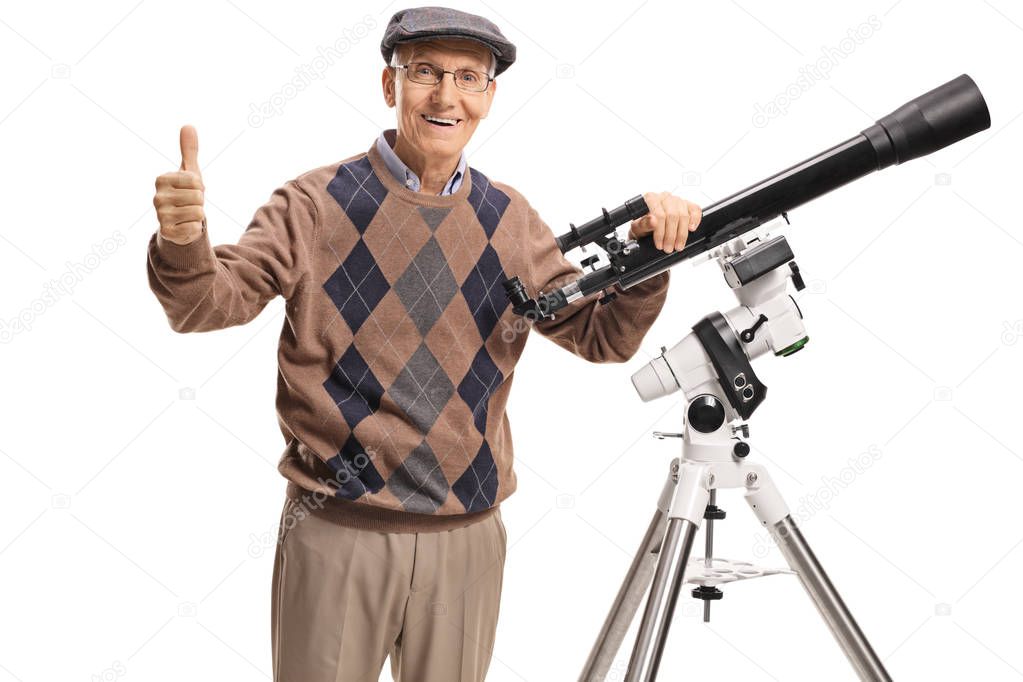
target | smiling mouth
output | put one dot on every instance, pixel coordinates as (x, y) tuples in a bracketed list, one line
[(443, 122)]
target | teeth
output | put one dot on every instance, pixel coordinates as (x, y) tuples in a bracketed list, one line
[(451, 121)]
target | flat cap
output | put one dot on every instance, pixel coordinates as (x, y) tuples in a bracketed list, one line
[(426, 23)]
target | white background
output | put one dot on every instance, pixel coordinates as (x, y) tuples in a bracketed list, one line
[(137, 528)]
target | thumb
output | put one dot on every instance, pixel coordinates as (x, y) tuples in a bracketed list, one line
[(190, 149)]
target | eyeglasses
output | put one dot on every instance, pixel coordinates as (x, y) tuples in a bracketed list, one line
[(426, 73)]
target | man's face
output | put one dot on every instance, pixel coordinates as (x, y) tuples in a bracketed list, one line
[(414, 100)]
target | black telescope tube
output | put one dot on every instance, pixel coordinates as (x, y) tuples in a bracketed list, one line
[(749, 208), (934, 120)]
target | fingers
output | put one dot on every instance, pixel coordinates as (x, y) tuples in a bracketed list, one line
[(179, 197), (180, 180), (180, 209), (178, 189), (189, 140), (695, 216), (176, 215), (669, 220), (679, 207), (633, 227), (673, 226), (655, 217)]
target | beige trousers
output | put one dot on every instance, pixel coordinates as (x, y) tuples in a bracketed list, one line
[(344, 599)]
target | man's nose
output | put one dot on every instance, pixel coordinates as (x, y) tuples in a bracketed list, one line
[(446, 91)]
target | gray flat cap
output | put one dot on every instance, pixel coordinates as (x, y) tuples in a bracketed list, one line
[(425, 23)]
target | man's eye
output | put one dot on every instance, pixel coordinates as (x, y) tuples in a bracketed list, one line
[(470, 77), (424, 71)]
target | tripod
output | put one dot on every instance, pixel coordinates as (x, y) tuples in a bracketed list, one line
[(711, 365)]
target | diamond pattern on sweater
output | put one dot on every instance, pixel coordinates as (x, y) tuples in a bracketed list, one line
[(419, 482), (357, 286), (433, 215), (427, 286), (394, 241), (422, 389), (358, 191), (354, 471), (488, 202), (476, 489), (409, 311), (479, 383), (462, 241), (389, 339), (484, 292), (353, 387)]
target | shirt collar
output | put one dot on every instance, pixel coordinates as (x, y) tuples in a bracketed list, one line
[(404, 174)]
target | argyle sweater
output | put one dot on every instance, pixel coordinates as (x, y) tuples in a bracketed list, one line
[(399, 346)]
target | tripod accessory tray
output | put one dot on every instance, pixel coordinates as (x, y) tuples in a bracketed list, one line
[(723, 571)]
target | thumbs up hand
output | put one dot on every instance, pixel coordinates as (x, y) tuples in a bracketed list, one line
[(179, 195)]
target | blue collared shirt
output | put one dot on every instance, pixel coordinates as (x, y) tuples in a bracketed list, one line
[(404, 174)]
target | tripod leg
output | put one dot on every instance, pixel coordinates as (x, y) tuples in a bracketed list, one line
[(634, 587), (687, 530), (827, 600), (678, 544), (770, 509), (619, 618)]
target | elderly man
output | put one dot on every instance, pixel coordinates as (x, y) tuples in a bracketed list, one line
[(396, 360)]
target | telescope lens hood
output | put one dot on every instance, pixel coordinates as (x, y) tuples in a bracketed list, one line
[(934, 120)]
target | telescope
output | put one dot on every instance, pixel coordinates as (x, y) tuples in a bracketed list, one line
[(930, 122), (712, 366)]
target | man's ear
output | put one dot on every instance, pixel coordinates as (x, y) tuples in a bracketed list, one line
[(387, 81)]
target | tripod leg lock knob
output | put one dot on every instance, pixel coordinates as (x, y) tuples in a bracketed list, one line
[(714, 513), (707, 593)]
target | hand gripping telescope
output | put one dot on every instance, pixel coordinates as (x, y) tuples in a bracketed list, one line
[(930, 122), (712, 368)]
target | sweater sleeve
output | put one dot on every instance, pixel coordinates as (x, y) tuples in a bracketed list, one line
[(202, 287), (594, 332)]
